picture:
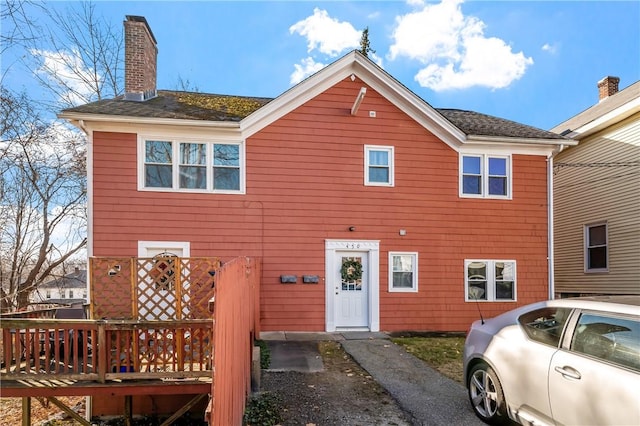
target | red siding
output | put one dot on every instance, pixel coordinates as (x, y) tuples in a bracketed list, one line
[(305, 184)]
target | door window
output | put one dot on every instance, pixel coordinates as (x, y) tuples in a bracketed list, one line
[(607, 338), (351, 272)]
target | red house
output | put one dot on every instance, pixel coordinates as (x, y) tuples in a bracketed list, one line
[(369, 208)]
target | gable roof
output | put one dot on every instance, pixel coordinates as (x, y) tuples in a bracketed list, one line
[(605, 113), (251, 114)]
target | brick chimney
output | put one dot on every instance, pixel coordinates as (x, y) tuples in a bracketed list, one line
[(608, 86), (140, 59)]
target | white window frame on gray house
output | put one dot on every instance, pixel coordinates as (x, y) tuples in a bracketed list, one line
[(375, 166), (403, 270), (490, 280), (191, 165), (590, 247), (487, 173)]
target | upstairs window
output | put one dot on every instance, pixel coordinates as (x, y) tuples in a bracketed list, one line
[(192, 166), (378, 169), (490, 280), (485, 176), (596, 257)]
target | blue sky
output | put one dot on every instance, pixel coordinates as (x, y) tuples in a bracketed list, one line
[(533, 62)]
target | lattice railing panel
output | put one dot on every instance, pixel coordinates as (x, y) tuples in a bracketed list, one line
[(200, 272), (158, 290), (165, 288), (111, 295)]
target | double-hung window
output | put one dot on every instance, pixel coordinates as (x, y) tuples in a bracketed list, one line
[(490, 280), (378, 168), (176, 165), (403, 272), (595, 256), (485, 176)]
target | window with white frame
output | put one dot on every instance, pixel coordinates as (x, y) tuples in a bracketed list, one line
[(490, 280), (378, 168), (70, 294), (192, 166), (596, 242), (48, 294), (485, 176), (403, 272)]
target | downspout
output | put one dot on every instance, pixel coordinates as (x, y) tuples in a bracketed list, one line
[(550, 237)]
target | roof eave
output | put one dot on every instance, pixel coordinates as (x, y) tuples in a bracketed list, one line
[(75, 117), (606, 120), (516, 145)]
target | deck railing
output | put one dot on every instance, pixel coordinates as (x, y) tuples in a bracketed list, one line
[(105, 350)]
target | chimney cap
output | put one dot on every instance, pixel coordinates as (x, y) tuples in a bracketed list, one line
[(142, 19)]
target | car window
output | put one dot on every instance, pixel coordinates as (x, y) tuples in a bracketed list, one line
[(545, 325), (616, 340)]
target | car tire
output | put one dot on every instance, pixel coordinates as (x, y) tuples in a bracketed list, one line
[(486, 396)]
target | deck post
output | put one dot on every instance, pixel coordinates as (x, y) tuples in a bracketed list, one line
[(26, 411), (102, 352)]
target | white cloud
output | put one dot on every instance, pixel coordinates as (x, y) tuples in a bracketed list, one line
[(454, 50), (65, 70), (306, 67), (551, 48), (328, 35)]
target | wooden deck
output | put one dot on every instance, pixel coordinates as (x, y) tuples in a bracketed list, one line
[(42, 357)]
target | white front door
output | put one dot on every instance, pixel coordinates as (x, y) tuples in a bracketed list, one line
[(352, 285), (352, 289)]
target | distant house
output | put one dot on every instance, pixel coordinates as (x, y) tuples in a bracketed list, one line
[(370, 209), (597, 196), (70, 289)]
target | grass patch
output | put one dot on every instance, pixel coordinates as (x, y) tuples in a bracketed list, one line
[(443, 354), (265, 354), (263, 410)]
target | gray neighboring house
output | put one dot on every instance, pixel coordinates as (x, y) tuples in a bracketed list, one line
[(597, 197), (70, 289)]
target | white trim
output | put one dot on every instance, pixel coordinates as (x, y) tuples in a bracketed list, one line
[(144, 246), (587, 226), (491, 280), (414, 287), (606, 120), (373, 248), (175, 165), (390, 151)]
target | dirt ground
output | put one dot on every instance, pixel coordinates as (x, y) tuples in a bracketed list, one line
[(41, 411), (343, 394)]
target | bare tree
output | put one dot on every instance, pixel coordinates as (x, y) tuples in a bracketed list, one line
[(43, 215), (75, 55), (77, 58)]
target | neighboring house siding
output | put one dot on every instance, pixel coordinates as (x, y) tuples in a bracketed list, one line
[(304, 184), (588, 195)]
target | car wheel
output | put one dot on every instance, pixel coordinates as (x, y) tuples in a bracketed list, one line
[(486, 396)]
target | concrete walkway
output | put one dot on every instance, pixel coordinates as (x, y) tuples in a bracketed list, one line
[(429, 398)]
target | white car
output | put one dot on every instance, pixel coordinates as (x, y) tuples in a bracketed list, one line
[(561, 362)]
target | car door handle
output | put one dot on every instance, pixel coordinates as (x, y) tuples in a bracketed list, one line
[(568, 372)]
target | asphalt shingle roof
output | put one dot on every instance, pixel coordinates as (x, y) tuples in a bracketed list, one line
[(225, 108)]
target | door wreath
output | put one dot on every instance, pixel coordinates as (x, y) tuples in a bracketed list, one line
[(351, 270)]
